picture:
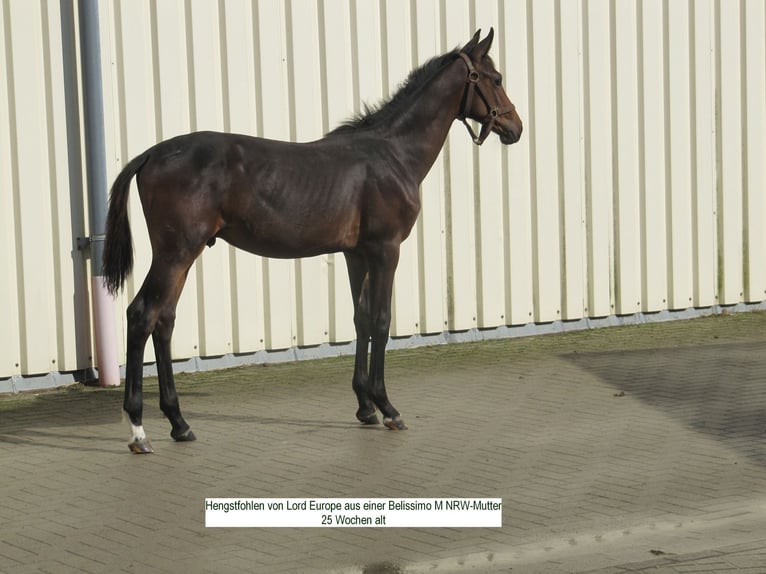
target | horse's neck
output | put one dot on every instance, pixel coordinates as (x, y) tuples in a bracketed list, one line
[(422, 128)]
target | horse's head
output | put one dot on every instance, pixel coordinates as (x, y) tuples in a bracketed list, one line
[(485, 99)]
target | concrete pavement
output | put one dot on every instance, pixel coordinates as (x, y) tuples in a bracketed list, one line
[(628, 449)]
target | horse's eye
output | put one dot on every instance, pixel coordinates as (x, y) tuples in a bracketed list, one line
[(499, 81)]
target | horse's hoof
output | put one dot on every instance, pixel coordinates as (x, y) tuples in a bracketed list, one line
[(371, 419), (186, 436), (395, 423), (142, 446)]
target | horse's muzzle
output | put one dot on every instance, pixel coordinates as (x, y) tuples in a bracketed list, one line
[(509, 135)]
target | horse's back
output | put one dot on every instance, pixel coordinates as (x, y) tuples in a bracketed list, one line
[(273, 198)]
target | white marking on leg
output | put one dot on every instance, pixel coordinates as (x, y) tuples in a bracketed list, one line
[(138, 432)]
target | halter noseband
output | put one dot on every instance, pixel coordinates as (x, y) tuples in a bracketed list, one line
[(473, 86)]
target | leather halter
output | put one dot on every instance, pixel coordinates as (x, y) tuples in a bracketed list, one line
[(473, 86)]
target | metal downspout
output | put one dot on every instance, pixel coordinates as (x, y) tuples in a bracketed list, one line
[(95, 162)]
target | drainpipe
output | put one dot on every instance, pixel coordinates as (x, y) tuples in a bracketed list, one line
[(95, 162)]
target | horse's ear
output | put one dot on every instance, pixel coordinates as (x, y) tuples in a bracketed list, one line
[(482, 49), (472, 44)]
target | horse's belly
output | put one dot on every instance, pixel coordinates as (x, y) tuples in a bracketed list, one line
[(289, 240)]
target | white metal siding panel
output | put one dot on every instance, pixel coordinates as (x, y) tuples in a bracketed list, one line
[(69, 288), (755, 150), (654, 157), (10, 337), (35, 173), (638, 184), (490, 262), (703, 192), (627, 196), (679, 197), (42, 299), (599, 142), (460, 217), (545, 149), (571, 182), (430, 226), (730, 192), (518, 59)]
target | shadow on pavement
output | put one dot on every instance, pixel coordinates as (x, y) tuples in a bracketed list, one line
[(718, 390)]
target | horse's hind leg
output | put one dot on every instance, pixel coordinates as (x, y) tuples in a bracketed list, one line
[(152, 312), (139, 327), (168, 397)]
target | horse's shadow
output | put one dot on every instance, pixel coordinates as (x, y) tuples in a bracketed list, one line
[(256, 420), (32, 438), (47, 418)]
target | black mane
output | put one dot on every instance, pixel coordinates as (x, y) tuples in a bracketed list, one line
[(381, 113)]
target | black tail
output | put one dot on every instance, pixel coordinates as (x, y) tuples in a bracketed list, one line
[(118, 245)]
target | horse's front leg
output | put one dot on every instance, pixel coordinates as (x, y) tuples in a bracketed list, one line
[(360, 292), (382, 268)]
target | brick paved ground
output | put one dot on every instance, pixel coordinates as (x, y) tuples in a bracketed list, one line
[(625, 449)]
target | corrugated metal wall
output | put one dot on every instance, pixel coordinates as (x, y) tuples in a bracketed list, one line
[(638, 185), (43, 285)]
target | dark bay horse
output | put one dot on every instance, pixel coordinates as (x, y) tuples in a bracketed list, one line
[(355, 191)]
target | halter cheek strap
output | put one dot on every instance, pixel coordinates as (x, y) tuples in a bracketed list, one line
[(472, 87)]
